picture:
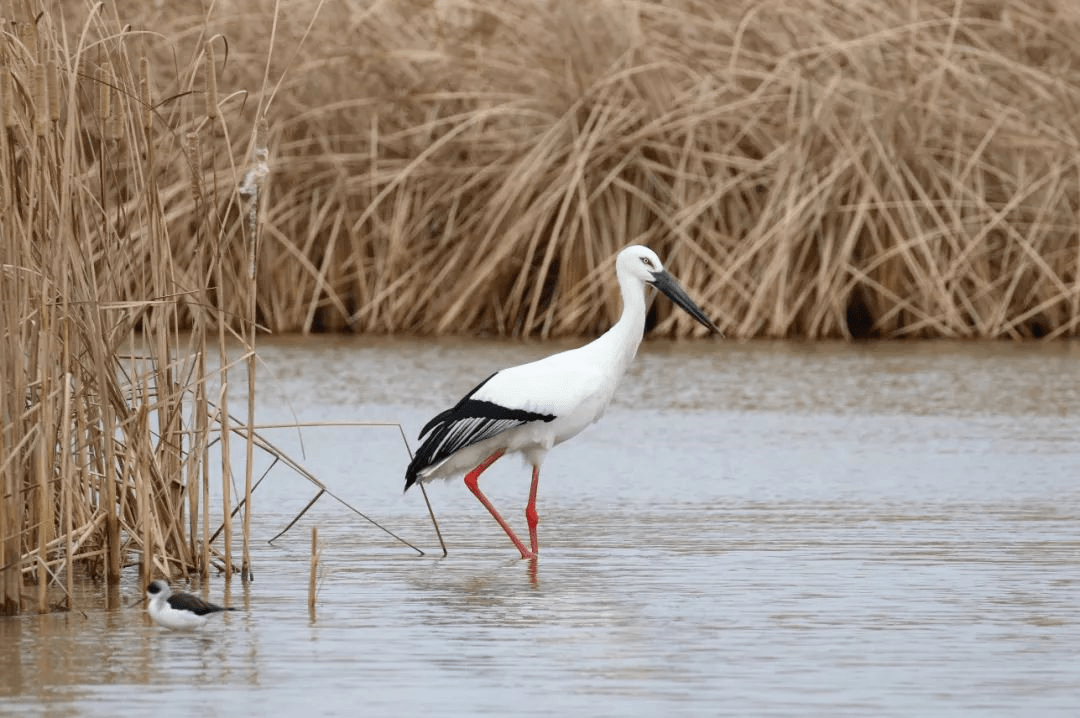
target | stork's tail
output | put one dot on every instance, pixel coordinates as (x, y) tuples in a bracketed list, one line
[(412, 474)]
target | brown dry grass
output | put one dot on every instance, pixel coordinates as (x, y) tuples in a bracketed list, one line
[(811, 169)]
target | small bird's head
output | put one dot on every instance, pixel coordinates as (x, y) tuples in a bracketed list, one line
[(158, 588)]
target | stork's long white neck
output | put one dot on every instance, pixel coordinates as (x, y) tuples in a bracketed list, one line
[(618, 345)]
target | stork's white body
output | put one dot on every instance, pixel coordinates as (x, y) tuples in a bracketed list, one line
[(532, 407), (576, 386)]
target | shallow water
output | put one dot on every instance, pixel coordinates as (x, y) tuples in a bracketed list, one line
[(762, 529)]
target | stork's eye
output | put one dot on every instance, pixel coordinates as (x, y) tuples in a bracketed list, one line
[(646, 261)]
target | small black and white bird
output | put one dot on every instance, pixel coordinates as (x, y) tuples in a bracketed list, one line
[(176, 609), (532, 407)]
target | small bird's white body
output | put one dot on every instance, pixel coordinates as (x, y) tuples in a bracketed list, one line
[(530, 408), (168, 617)]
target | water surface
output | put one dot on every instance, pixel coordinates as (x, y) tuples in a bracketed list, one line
[(763, 529)]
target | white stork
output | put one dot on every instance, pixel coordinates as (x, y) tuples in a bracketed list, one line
[(532, 407)]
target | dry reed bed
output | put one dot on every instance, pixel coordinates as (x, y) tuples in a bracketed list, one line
[(106, 409), (812, 168)]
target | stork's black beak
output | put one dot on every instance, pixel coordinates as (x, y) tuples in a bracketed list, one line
[(669, 286)]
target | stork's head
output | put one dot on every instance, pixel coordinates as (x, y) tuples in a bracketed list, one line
[(639, 262), (642, 264)]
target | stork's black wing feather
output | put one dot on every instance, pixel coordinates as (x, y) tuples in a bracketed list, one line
[(187, 602), (468, 422)]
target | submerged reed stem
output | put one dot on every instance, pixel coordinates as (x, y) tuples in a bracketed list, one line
[(313, 571)]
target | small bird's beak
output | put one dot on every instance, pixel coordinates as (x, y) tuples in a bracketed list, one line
[(669, 286)]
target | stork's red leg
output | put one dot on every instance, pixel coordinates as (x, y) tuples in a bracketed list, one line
[(470, 481), (530, 511)]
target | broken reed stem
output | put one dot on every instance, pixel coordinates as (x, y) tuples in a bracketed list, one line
[(431, 514), (313, 571)]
